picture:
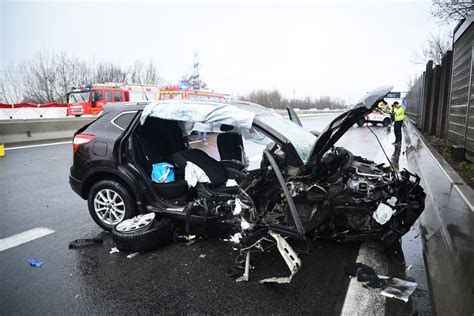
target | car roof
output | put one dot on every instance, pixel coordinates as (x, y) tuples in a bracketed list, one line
[(124, 106), (243, 105)]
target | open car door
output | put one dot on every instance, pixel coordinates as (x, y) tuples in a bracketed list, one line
[(293, 116)]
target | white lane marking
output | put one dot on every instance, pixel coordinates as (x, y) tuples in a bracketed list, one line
[(38, 145), (24, 237), (360, 300)]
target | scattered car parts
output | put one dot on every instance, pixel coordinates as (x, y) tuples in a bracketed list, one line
[(142, 233)]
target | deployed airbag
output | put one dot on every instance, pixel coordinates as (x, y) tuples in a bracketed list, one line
[(205, 117)]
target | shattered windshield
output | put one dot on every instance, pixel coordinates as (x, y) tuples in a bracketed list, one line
[(302, 140), (77, 97)]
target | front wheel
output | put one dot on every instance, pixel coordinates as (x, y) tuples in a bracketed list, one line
[(142, 233), (110, 203), (374, 123), (360, 122), (386, 121)]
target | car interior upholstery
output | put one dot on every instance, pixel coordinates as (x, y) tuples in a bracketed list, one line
[(161, 140), (229, 144)]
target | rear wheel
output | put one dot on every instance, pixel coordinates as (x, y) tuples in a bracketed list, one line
[(386, 121), (110, 203)]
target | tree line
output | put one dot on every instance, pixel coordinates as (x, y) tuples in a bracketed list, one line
[(47, 77), (274, 99)]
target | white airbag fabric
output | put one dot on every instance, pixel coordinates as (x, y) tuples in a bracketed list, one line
[(207, 117), (194, 174)]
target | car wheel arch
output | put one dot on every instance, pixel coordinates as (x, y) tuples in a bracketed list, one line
[(105, 175)]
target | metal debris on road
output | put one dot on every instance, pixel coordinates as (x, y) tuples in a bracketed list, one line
[(80, 243), (399, 289), (289, 255), (133, 255), (409, 267), (202, 256), (114, 250)]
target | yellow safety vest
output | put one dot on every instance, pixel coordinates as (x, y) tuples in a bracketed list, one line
[(399, 113)]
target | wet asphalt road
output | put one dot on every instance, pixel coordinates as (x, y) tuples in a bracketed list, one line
[(34, 192)]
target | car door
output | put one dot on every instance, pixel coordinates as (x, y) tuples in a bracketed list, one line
[(293, 116)]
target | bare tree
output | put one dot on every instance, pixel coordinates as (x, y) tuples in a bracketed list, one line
[(142, 73), (47, 77), (11, 86), (39, 78), (109, 72), (70, 72), (434, 49), (274, 99), (452, 10)]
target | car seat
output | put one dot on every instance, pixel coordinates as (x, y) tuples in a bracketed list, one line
[(217, 173), (229, 144), (157, 140)]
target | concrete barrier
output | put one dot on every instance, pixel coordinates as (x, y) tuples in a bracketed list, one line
[(20, 131), (447, 228)]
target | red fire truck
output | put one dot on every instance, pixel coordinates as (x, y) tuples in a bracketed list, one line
[(89, 99), (182, 92)]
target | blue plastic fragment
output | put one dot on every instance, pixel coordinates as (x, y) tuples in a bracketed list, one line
[(35, 263)]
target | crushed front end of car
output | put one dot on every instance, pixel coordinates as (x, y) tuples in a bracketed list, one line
[(305, 188)]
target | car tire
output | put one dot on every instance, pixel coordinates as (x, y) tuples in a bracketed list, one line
[(159, 233), (110, 203), (360, 122), (386, 121), (374, 123)]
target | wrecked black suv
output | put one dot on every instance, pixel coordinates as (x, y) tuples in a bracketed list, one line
[(304, 188)]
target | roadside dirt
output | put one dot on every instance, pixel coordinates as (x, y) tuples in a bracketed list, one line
[(465, 168)]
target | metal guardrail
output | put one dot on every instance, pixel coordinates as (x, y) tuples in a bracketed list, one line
[(446, 228)]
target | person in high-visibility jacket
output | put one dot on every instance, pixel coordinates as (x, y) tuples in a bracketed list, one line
[(398, 116)]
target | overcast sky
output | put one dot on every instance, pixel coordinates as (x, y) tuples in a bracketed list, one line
[(336, 48)]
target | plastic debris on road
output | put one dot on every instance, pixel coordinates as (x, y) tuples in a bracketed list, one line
[(133, 255), (365, 274), (35, 263), (391, 287), (80, 243), (202, 256), (114, 250), (399, 289)]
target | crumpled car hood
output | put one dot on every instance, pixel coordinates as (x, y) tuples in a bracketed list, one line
[(339, 126)]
